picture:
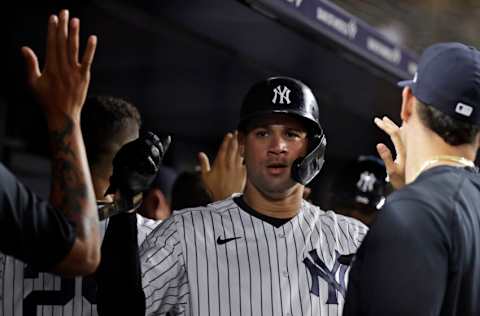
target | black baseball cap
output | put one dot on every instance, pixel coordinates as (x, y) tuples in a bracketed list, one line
[(164, 180), (361, 184), (448, 79)]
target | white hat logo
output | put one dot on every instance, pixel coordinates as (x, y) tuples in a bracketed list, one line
[(464, 109)]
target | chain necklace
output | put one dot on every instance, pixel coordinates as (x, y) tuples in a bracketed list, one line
[(464, 162)]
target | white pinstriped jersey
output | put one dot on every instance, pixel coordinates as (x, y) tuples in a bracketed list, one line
[(220, 260), (29, 293)]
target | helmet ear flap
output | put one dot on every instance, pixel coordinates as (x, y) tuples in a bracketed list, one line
[(304, 169)]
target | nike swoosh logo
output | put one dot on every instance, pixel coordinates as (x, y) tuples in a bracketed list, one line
[(221, 241)]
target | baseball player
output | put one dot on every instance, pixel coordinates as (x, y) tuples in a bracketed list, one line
[(359, 190), (267, 251), (107, 124), (61, 235), (422, 254), (29, 292)]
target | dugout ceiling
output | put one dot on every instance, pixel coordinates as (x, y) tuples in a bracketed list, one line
[(187, 65)]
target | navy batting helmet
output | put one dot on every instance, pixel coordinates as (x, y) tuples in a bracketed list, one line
[(289, 96)]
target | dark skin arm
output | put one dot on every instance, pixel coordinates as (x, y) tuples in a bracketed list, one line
[(61, 88)]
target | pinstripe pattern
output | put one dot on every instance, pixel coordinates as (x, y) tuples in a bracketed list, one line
[(145, 226), (25, 292), (261, 273)]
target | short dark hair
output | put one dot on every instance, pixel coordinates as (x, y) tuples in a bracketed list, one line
[(106, 122), (452, 131)]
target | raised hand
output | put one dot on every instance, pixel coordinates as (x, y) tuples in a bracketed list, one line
[(228, 174), (395, 168), (61, 87)]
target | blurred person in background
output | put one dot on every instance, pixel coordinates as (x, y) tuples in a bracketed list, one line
[(359, 189), (156, 202), (108, 123)]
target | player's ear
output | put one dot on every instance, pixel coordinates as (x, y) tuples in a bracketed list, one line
[(154, 203), (477, 140), (408, 104)]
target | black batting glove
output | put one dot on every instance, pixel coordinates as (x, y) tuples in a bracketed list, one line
[(136, 164)]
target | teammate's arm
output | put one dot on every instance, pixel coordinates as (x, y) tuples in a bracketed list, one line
[(401, 267), (119, 278), (61, 89)]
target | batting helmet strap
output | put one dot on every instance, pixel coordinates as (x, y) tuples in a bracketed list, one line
[(306, 168)]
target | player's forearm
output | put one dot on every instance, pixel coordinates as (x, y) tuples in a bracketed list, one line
[(119, 277), (72, 191)]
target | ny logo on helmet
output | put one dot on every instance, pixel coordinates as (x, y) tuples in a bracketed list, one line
[(282, 94), (366, 182)]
